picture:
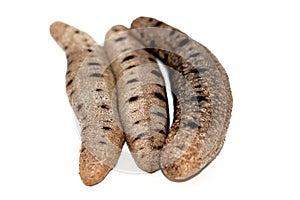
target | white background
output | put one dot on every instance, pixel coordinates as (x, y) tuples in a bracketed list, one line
[(258, 43)]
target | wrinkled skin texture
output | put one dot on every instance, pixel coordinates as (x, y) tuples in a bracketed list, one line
[(141, 97), (203, 98), (90, 84)]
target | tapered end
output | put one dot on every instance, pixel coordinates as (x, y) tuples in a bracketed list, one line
[(141, 22), (148, 162), (181, 169), (91, 170), (115, 30), (71, 39), (57, 29)]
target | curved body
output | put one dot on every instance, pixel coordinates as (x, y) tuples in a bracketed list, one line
[(203, 98), (90, 84), (141, 97)]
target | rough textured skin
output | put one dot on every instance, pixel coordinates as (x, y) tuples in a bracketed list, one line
[(201, 116), (141, 97), (90, 84), (91, 170)]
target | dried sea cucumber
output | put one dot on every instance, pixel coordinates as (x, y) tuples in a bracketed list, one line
[(90, 85), (142, 99), (201, 117)]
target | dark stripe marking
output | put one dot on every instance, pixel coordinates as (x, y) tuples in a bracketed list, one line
[(160, 114), (101, 142), (159, 85), (120, 39), (131, 66), (128, 58), (192, 125), (183, 42), (156, 73), (194, 55), (152, 59), (158, 23), (79, 107), (142, 35), (152, 44), (84, 128), (127, 49), (132, 81), (198, 98), (166, 56), (193, 71), (139, 136), (93, 64), (90, 50), (73, 91), (131, 99), (172, 32), (70, 62), (137, 122), (104, 107), (106, 128), (70, 82), (98, 90), (162, 132), (159, 96), (96, 75), (158, 147)]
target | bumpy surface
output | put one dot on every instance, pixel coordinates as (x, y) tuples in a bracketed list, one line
[(141, 97), (203, 98), (90, 85)]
